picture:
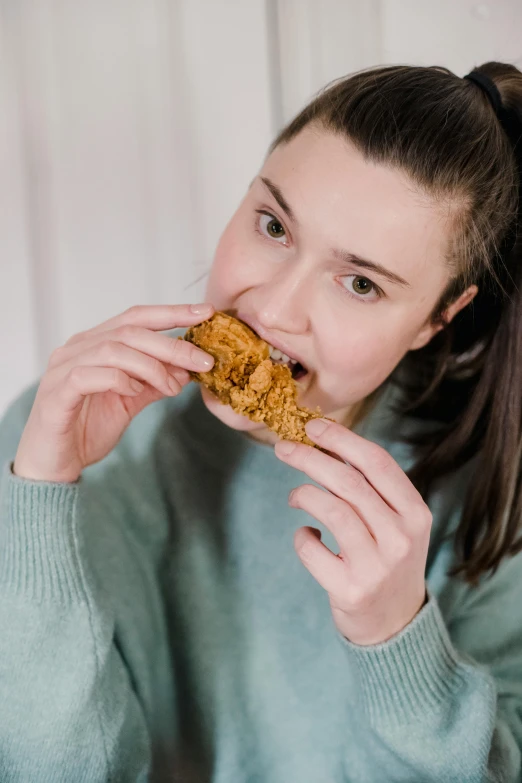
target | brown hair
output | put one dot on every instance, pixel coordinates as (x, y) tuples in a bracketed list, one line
[(442, 131)]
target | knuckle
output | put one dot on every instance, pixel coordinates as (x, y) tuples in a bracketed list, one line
[(75, 376), (337, 516), (157, 366), (159, 370), (425, 517), (56, 356), (401, 547), (306, 456), (360, 597), (422, 516), (109, 350), (115, 376), (134, 313), (176, 347), (380, 457), (127, 332), (354, 480), (355, 596), (76, 338)]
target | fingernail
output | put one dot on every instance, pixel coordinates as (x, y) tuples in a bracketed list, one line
[(174, 385), (316, 427), (136, 385), (284, 448), (201, 309), (201, 360)]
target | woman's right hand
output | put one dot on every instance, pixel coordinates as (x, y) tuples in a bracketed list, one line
[(99, 381)]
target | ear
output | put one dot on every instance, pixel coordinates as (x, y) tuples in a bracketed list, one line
[(430, 329)]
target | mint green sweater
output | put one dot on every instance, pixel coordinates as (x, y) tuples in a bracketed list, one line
[(156, 624)]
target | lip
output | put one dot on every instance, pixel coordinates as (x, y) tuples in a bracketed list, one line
[(268, 338)]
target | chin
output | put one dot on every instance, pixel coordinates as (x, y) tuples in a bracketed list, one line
[(225, 414)]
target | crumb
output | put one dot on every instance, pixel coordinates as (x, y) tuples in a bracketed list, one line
[(245, 377)]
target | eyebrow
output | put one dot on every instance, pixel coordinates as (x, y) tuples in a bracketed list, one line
[(281, 200), (371, 266), (342, 255)]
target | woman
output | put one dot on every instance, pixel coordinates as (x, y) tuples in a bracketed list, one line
[(156, 621)]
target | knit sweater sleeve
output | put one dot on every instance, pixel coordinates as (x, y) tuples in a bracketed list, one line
[(69, 711), (443, 702)]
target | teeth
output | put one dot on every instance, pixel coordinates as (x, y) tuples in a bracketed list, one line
[(279, 356)]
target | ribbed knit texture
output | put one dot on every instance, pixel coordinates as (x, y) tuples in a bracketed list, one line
[(157, 625), (411, 675), (38, 546)]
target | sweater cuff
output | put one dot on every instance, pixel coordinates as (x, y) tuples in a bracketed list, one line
[(415, 672), (38, 541)]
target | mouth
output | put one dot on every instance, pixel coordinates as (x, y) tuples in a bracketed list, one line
[(278, 353), (296, 368)]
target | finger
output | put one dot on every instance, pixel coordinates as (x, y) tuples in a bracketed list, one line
[(374, 462), (325, 567), (172, 351), (116, 355), (348, 529), (155, 317), (345, 482), (84, 380), (182, 376)]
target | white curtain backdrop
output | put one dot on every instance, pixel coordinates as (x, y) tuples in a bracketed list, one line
[(130, 129)]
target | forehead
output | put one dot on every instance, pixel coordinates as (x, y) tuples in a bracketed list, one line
[(341, 200)]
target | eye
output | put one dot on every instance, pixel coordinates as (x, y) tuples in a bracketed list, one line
[(270, 226), (361, 287)]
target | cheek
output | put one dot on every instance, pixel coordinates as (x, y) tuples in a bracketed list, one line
[(220, 282), (357, 360), (234, 268)]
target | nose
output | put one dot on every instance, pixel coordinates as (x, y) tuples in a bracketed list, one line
[(283, 303)]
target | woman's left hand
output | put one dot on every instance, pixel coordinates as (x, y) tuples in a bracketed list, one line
[(382, 526)]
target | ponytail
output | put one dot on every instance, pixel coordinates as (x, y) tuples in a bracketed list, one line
[(478, 403), (488, 425)]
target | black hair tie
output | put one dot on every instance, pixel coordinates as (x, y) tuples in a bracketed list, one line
[(488, 86), (511, 121)]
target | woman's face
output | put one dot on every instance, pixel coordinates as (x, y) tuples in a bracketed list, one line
[(337, 261)]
